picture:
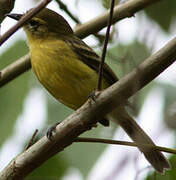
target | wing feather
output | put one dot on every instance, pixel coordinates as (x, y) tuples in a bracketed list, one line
[(90, 58)]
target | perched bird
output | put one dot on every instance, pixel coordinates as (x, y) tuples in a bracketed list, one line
[(67, 68)]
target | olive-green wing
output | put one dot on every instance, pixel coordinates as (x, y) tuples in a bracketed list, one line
[(89, 57)]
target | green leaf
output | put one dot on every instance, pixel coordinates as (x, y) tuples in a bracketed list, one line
[(123, 59), (54, 168), (107, 3), (169, 109), (56, 111), (163, 12), (13, 94)]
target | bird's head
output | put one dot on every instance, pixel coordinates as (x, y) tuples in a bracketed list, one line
[(46, 24)]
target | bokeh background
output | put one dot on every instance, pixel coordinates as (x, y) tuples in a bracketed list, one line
[(26, 106)]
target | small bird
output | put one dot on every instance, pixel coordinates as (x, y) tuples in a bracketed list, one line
[(68, 69)]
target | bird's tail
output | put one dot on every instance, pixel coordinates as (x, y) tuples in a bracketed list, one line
[(155, 157)]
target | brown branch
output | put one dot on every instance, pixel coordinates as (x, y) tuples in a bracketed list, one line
[(5, 7), (23, 20), (124, 143), (32, 139), (120, 12), (125, 10), (15, 69), (100, 71), (90, 113)]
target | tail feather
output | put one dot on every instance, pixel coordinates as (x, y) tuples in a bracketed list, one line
[(155, 157)]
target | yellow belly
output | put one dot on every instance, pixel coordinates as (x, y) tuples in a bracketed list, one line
[(67, 78)]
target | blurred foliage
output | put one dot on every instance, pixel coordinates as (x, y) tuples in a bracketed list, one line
[(56, 111), (54, 168), (13, 94), (163, 12), (169, 108), (170, 115), (123, 59), (107, 3), (84, 155)]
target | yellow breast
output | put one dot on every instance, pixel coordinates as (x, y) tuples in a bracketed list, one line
[(60, 71)]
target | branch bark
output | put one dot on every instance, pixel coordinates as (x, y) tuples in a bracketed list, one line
[(83, 119), (120, 12), (23, 20), (5, 7), (15, 69)]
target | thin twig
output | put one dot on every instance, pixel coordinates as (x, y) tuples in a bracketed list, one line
[(100, 72), (124, 143), (32, 139), (23, 20), (76, 20), (64, 8)]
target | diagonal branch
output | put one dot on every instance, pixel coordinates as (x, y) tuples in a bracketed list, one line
[(23, 20), (90, 113), (5, 7), (124, 143), (120, 12), (64, 8), (15, 69)]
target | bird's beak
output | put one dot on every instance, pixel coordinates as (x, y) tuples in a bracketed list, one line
[(15, 16)]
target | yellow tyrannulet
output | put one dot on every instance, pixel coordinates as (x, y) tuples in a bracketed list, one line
[(68, 68)]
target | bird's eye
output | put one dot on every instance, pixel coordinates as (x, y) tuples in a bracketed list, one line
[(33, 24)]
